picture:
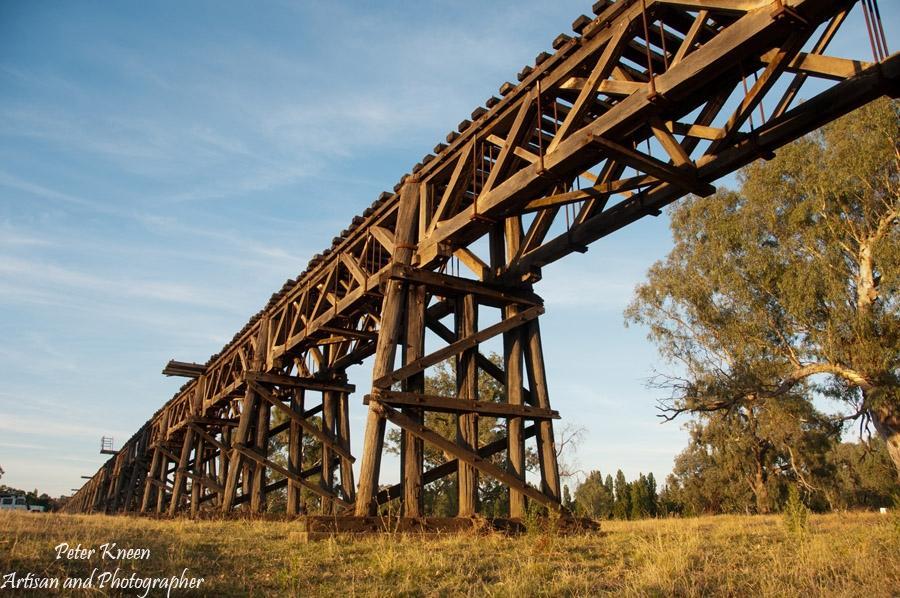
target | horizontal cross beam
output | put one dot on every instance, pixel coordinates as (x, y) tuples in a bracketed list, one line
[(298, 382), (455, 405)]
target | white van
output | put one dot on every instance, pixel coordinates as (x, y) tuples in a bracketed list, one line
[(19, 503), (13, 503)]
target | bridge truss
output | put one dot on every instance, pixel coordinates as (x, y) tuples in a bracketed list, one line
[(646, 102)]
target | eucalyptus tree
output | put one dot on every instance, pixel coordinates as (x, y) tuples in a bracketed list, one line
[(788, 286)]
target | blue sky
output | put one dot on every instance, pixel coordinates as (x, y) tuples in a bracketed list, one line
[(165, 166)]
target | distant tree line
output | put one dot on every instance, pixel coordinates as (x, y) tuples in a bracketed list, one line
[(607, 498), (715, 475)]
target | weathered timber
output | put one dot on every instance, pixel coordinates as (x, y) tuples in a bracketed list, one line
[(454, 405)]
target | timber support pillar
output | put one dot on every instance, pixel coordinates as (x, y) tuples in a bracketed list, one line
[(392, 311), (526, 410), (415, 303)]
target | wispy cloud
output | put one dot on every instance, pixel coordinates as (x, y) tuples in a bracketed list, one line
[(14, 237), (42, 275), (40, 426), (34, 189)]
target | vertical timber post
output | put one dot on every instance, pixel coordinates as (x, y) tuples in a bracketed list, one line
[(327, 474), (512, 358), (163, 472), (512, 364), (248, 411), (412, 448), (161, 483), (149, 487), (178, 488), (467, 388), (537, 381), (257, 491), (223, 465), (295, 452), (198, 472), (98, 490), (388, 334), (348, 487)]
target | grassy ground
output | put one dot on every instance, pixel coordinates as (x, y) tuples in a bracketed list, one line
[(840, 555)]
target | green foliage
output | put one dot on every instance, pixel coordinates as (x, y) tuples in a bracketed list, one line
[(597, 499), (567, 500), (796, 514), (540, 521), (784, 289), (704, 481), (622, 504), (593, 499), (642, 497), (740, 460), (862, 476)]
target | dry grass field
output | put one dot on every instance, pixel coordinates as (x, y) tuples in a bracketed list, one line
[(854, 554)]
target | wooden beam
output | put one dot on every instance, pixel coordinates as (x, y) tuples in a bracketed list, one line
[(469, 342), (598, 192), (668, 142), (412, 449), (696, 131), (485, 364), (735, 6), (455, 187), (445, 284), (470, 457), (184, 369), (298, 382), (519, 151), (473, 263), (691, 37), (620, 88), (315, 488), (386, 348), (366, 335), (826, 67), (515, 137), (383, 236), (588, 94), (455, 405), (354, 268), (205, 481), (208, 437), (449, 467), (685, 178), (837, 101), (320, 435)]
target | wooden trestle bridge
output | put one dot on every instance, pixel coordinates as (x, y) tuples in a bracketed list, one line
[(646, 102)]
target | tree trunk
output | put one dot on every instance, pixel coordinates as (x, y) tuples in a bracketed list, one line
[(866, 287), (885, 417), (760, 475), (887, 422), (760, 490)]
